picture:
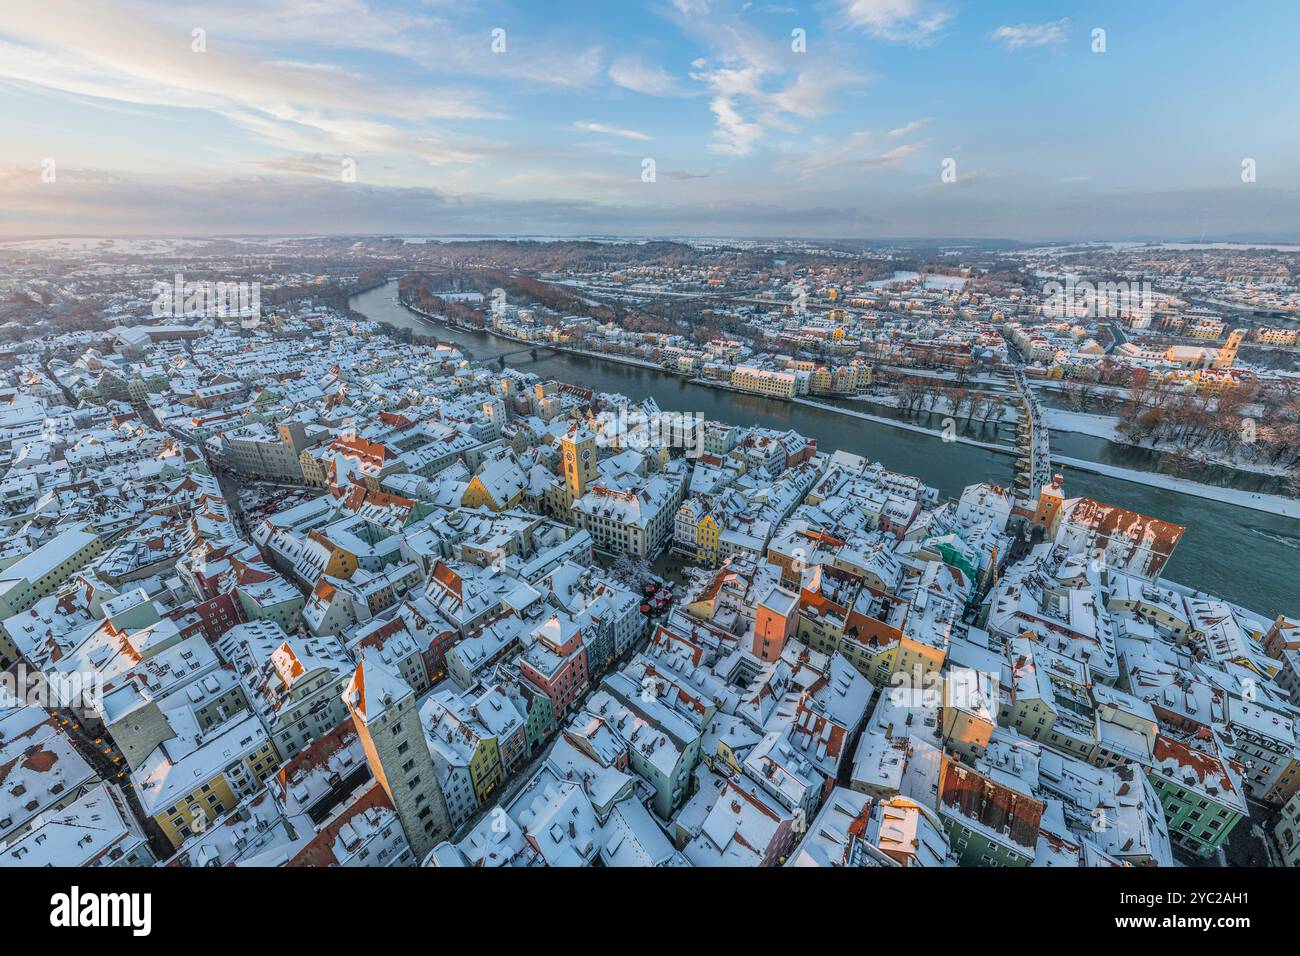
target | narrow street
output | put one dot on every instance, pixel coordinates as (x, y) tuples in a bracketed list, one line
[(1118, 337), (107, 761)]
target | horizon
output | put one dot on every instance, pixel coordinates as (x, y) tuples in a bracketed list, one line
[(1284, 244)]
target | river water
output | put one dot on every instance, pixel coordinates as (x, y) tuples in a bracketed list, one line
[(1245, 556)]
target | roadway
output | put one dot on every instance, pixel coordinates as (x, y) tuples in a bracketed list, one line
[(105, 759), (1117, 336)]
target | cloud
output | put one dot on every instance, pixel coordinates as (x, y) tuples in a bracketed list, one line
[(808, 97), (326, 167), (434, 43), (890, 157), (129, 57), (610, 130), (899, 21), (104, 54), (747, 76), (733, 136), (859, 149), (1029, 35), (754, 81), (633, 74), (328, 24), (907, 128)]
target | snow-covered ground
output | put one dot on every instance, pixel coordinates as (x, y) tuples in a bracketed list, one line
[(1082, 423), (941, 407), (1104, 426), (1273, 504)]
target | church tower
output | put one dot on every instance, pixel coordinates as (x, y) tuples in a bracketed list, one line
[(1228, 354)]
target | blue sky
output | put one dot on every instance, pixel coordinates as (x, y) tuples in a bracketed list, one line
[(1047, 138)]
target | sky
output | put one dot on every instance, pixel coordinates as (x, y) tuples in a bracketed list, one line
[(840, 118)]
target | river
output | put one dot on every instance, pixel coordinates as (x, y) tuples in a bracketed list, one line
[(1242, 555)]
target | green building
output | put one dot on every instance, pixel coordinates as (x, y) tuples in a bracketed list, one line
[(1200, 790)]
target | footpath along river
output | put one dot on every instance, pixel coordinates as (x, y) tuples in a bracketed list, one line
[(1245, 556)]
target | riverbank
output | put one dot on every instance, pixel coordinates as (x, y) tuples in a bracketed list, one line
[(1106, 426), (620, 359), (908, 426), (436, 319), (506, 337), (1270, 504)]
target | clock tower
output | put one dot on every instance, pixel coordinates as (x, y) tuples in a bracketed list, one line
[(579, 449)]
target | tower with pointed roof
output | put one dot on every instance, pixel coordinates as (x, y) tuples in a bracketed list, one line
[(383, 710)]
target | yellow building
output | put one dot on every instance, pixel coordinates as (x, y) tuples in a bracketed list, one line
[(190, 793), (1277, 336), (763, 381), (728, 758), (499, 485), (904, 656), (657, 458), (967, 714), (340, 563), (1227, 354), (706, 541), (1214, 381), (581, 467), (485, 768), (313, 470)]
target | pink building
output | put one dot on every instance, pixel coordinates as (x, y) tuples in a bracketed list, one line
[(557, 662)]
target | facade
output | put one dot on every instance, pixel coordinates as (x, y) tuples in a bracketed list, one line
[(635, 521), (556, 662), (45, 570), (761, 381), (1200, 789)]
